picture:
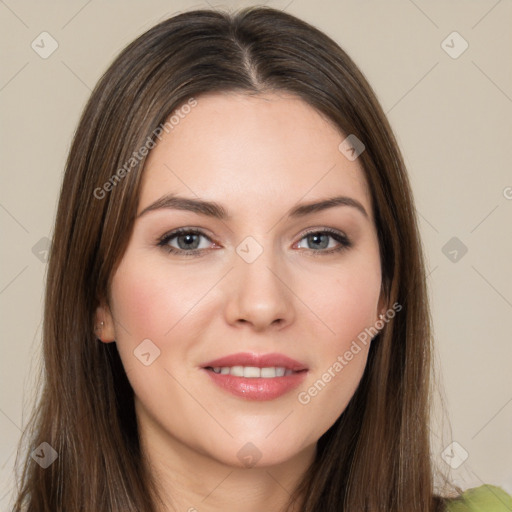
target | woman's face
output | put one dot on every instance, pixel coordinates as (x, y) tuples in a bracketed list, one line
[(259, 271)]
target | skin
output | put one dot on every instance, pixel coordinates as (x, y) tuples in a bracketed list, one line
[(258, 156)]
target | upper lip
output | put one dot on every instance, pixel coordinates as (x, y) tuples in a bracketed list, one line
[(257, 360)]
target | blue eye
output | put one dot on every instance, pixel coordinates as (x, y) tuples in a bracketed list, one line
[(322, 241), (186, 241), (193, 242)]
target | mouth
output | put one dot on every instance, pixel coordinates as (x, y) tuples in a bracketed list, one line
[(250, 365), (253, 372), (256, 377)]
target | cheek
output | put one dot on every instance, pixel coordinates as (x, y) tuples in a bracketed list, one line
[(356, 298), (150, 304), (347, 306), (346, 300), (150, 301)]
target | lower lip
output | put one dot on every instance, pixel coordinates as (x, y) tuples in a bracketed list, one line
[(257, 388)]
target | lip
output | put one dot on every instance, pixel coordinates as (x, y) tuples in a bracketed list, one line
[(257, 388), (257, 360)]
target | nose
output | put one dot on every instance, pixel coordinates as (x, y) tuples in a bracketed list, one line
[(259, 295)]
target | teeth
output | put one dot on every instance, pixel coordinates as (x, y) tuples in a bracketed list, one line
[(252, 372)]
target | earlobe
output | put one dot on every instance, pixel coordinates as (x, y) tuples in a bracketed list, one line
[(104, 325)]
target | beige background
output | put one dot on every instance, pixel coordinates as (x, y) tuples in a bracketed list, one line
[(452, 117)]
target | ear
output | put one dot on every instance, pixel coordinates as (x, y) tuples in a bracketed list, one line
[(104, 324)]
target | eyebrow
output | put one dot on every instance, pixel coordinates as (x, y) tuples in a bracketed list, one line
[(213, 209)]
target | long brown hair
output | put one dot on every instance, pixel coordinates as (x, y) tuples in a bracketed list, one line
[(376, 457)]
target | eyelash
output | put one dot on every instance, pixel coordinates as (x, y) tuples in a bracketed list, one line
[(163, 241)]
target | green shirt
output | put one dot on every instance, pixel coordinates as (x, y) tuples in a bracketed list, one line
[(486, 498)]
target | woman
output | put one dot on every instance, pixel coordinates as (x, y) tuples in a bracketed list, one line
[(236, 309)]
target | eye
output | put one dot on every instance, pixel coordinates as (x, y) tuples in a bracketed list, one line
[(193, 242), (324, 241), (185, 241)]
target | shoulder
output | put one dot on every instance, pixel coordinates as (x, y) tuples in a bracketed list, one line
[(486, 498)]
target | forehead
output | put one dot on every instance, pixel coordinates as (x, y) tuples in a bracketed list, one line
[(271, 148)]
